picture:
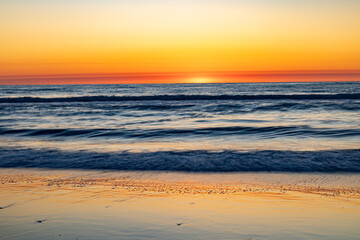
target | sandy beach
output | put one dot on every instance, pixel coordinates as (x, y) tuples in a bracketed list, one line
[(70, 204)]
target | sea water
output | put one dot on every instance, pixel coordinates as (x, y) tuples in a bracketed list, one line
[(291, 127)]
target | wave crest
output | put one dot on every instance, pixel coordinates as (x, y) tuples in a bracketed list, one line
[(354, 96)]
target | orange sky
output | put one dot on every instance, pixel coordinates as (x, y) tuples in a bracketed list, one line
[(144, 41)]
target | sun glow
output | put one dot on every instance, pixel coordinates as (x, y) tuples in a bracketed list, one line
[(201, 80)]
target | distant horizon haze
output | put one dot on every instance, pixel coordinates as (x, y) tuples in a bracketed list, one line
[(184, 77)]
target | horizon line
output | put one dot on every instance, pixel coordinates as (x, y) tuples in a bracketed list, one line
[(184, 77)]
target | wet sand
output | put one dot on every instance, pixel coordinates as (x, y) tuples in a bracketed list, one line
[(49, 204)]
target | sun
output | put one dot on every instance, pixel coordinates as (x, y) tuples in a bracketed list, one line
[(200, 80)]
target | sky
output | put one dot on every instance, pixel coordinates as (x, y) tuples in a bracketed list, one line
[(145, 41)]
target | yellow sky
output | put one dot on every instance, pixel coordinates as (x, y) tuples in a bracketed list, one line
[(72, 37)]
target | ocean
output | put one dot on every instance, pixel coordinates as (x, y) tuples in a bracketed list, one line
[(234, 127)]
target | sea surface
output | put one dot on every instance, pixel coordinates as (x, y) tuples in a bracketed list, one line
[(286, 127)]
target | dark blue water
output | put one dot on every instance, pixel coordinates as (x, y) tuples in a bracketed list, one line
[(183, 127)]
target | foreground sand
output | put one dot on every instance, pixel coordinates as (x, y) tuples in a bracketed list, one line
[(46, 204)]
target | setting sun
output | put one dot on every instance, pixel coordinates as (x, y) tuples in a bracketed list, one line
[(201, 80)]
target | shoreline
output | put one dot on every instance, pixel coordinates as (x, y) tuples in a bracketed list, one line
[(338, 185)]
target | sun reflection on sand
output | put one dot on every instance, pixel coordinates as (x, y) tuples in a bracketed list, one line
[(100, 205)]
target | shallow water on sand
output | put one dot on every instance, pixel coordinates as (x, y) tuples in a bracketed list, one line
[(46, 206)]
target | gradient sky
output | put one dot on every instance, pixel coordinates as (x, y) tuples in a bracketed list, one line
[(192, 37)]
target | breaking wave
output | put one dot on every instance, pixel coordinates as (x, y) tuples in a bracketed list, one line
[(190, 161), (264, 132)]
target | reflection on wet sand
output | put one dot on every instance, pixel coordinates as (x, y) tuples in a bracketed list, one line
[(128, 205)]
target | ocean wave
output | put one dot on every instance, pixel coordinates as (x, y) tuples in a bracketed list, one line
[(264, 132), (191, 161), (182, 97)]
